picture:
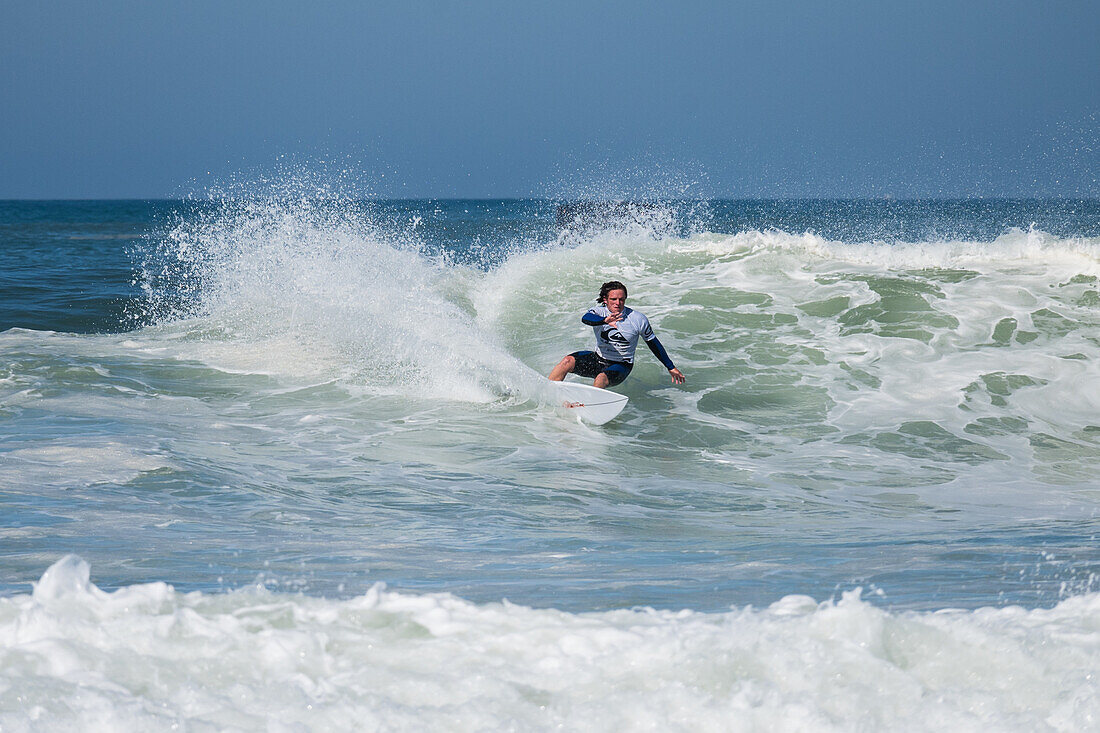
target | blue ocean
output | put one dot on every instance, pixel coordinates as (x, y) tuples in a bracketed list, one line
[(286, 462)]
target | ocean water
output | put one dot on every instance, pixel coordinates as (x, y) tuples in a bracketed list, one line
[(282, 463)]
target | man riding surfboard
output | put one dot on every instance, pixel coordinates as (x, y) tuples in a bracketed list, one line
[(617, 330)]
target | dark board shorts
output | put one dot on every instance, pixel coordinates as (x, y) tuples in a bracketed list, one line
[(590, 364)]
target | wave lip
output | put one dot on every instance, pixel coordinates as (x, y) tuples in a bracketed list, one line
[(146, 655)]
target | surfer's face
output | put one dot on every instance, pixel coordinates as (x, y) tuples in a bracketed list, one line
[(615, 301)]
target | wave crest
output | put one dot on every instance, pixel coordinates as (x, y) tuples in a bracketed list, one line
[(144, 655)]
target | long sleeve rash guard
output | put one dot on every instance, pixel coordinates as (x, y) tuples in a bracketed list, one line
[(619, 342)]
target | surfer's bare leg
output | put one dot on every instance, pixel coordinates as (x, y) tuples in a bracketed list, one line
[(601, 381), (565, 366)]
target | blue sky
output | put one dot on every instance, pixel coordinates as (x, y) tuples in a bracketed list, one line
[(486, 99)]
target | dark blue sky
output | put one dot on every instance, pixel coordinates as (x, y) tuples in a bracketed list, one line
[(484, 99)]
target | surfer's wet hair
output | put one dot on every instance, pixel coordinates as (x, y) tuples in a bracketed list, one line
[(607, 287)]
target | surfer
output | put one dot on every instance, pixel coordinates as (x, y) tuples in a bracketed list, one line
[(617, 329)]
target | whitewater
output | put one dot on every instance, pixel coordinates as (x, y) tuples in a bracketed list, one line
[(289, 464)]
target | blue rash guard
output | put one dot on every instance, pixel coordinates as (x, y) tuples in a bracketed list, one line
[(617, 343)]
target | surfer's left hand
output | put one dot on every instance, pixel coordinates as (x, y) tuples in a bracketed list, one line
[(677, 376)]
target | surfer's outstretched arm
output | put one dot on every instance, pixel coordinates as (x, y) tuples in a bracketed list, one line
[(659, 351)]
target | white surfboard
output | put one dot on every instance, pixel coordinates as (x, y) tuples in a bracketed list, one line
[(591, 404)]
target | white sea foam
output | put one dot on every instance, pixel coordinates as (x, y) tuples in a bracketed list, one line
[(146, 656), (1015, 246), (75, 462)]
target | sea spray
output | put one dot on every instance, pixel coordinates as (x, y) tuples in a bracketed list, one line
[(321, 287)]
